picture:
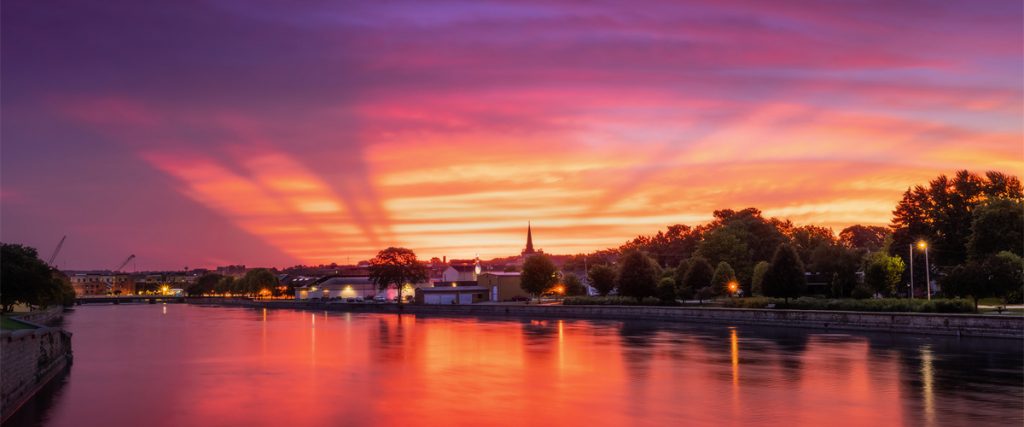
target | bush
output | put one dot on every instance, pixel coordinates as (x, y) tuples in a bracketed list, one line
[(874, 305), (861, 292), (610, 300)]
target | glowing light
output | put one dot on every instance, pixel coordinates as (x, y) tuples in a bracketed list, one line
[(733, 286), (165, 289), (922, 245)]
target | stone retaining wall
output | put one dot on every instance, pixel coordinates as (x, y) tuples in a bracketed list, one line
[(998, 326), (43, 317), (31, 358)]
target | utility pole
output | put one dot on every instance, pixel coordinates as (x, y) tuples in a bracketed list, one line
[(911, 271)]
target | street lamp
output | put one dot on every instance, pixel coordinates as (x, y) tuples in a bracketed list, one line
[(911, 265), (927, 275), (733, 286)]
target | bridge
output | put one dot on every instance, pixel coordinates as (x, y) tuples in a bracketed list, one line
[(151, 299)]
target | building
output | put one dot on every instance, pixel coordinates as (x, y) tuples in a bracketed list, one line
[(460, 273), (528, 250), (452, 295), (351, 287), (101, 283), (502, 286)]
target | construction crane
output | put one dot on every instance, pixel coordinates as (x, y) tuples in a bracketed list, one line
[(56, 251), (126, 261)]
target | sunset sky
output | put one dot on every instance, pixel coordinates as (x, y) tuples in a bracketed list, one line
[(271, 133)]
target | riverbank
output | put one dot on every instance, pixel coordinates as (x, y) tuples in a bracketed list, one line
[(32, 357), (961, 325)]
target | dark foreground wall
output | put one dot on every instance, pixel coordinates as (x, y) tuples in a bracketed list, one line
[(912, 323), (30, 359)]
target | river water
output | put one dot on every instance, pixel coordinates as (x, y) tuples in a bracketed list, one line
[(183, 365)]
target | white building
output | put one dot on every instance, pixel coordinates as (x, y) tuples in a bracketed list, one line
[(358, 287)]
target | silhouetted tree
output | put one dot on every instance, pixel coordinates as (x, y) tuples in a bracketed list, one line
[(997, 225), (667, 290), (942, 212), (638, 275), (757, 281), (26, 279), (869, 238), (785, 276), (1000, 275), (602, 278), (698, 276), (573, 285), (539, 274), (396, 267), (723, 276)]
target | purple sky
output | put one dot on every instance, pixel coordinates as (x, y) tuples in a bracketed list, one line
[(269, 133)]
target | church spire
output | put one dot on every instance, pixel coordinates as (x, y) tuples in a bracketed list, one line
[(529, 240)]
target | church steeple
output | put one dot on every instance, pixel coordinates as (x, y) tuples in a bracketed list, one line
[(529, 240)]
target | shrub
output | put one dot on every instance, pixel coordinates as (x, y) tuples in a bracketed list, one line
[(873, 305), (610, 300)]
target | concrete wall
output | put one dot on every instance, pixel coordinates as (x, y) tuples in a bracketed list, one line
[(913, 323), (30, 359), (43, 317)]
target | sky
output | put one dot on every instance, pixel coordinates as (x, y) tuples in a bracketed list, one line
[(273, 133)]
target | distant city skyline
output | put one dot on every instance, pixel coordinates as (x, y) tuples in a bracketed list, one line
[(274, 134)]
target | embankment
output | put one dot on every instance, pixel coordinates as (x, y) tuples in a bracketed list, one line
[(31, 358), (966, 325)]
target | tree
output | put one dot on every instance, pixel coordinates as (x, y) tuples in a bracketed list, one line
[(679, 275), (883, 273), (757, 281), (727, 245), (867, 237), (206, 284), (257, 281), (602, 278), (724, 275), (942, 212), (999, 275), (669, 247), (539, 274), (807, 239), (838, 263), (573, 285), (397, 267), (26, 279), (997, 225), (698, 276), (785, 276), (667, 290), (225, 285), (638, 275)]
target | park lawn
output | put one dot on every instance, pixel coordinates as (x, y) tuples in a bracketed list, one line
[(9, 324)]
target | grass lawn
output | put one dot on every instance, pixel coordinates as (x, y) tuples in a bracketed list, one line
[(9, 324)]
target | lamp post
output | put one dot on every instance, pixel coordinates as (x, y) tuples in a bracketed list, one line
[(911, 271), (927, 279)]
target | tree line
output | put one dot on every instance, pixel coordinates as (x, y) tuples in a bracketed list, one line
[(971, 223)]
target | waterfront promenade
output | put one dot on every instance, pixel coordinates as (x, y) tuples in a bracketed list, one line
[(961, 325)]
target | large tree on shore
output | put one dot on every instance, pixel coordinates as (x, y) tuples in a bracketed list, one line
[(996, 226), (698, 276), (785, 275), (942, 213), (883, 273), (396, 267), (638, 275), (602, 278), (26, 279), (539, 274)]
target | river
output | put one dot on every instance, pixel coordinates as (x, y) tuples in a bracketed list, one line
[(185, 365)]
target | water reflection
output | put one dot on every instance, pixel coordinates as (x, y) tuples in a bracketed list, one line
[(135, 365)]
